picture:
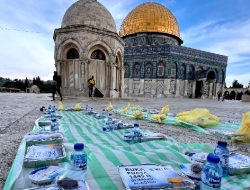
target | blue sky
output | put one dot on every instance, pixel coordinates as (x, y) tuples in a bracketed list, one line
[(219, 26)]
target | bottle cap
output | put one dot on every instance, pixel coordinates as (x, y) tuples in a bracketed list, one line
[(78, 146), (53, 119), (104, 129), (136, 125), (222, 143), (213, 158), (110, 114)]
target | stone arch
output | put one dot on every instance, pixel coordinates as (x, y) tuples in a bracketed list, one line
[(103, 46), (212, 74), (232, 95), (148, 70), (199, 72), (64, 47), (98, 55), (226, 95), (160, 70), (72, 53), (99, 68), (137, 70)]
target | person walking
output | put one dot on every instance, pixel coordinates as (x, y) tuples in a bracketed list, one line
[(91, 84), (56, 86), (219, 95)]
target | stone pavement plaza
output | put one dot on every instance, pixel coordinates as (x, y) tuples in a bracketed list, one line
[(19, 111)]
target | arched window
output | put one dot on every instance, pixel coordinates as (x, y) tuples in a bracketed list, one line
[(160, 70), (137, 70), (211, 75), (72, 54), (173, 70), (148, 70), (98, 54), (126, 71), (190, 72), (181, 71)]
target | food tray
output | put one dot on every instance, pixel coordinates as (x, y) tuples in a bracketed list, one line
[(239, 164), (146, 136), (44, 175), (44, 155), (150, 176), (44, 137)]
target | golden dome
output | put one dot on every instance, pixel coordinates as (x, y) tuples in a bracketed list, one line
[(150, 17)]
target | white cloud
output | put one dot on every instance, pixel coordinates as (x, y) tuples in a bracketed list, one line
[(242, 79)]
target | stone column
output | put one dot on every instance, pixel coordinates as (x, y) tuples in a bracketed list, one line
[(112, 79), (177, 88), (193, 91), (122, 81), (186, 88), (210, 90), (141, 87), (166, 87), (153, 88)]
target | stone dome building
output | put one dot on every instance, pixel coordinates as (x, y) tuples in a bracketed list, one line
[(88, 44), (156, 65)]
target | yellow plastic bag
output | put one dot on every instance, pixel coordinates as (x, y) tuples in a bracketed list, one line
[(109, 107), (61, 106), (165, 110), (243, 133), (158, 117), (77, 107), (200, 117), (138, 115), (125, 110)]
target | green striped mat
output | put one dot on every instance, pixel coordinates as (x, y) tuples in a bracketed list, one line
[(106, 151)]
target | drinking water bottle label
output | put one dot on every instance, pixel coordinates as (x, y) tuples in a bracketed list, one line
[(79, 162), (211, 178)]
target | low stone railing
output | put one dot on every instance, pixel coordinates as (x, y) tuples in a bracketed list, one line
[(245, 98)]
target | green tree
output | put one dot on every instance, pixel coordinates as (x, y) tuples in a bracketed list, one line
[(236, 84)]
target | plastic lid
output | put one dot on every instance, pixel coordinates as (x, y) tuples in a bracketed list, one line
[(79, 146), (213, 158), (222, 143), (136, 125)]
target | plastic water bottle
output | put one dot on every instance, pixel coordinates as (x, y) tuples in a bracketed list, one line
[(110, 123), (211, 173), (223, 152), (137, 131), (54, 125), (91, 110), (103, 113), (78, 158), (87, 108), (49, 109)]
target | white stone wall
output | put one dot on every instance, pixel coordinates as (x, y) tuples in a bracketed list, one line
[(75, 73), (168, 88)]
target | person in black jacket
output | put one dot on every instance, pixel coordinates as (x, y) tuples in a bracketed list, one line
[(56, 85)]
